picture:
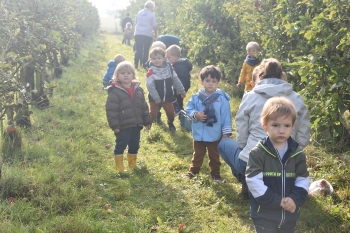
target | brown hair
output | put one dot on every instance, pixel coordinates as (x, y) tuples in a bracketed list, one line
[(156, 51), (271, 68), (278, 106), (174, 50), (119, 58), (211, 70)]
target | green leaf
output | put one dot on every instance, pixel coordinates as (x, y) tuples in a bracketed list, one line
[(16, 32)]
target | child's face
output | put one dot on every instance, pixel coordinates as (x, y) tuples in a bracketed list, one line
[(210, 84), (125, 77), (279, 130), (157, 60), (253, 52), (172, 58)]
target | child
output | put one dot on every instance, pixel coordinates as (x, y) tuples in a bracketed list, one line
[(112, 64), (182, 67), (160, 80), (276, 174), (210, 110), (250, 62), (127, 111), (128, 33), (154, 45)]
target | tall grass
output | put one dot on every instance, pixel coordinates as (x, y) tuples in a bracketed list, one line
[(64, 175)]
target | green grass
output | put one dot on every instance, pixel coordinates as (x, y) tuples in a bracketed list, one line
[(63, 175)]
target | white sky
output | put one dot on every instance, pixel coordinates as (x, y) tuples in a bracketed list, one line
[(103, 5)]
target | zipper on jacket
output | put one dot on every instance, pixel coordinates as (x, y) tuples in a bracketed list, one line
[(283, 188)]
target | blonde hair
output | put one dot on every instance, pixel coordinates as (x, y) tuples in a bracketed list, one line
[(278, 106), (252, 45), (119, 58), (158, 44), (124, 65), (156, 51), (174, 50), (128, 25)]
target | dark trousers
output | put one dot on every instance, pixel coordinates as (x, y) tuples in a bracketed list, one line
[(200, 149), (127, 137), (142, 45), (126, 39)]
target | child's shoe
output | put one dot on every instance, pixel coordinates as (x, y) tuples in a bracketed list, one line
[(189, 175), (171, 127), (177, 108), (217, 178)]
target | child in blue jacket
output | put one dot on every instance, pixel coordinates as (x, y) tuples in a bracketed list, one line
[(210, 111), (112, 65)]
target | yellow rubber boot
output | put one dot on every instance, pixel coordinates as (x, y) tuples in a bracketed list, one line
[(119, 163), (132, 160)]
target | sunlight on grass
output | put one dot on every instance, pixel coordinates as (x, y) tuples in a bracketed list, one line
[(65, 173)]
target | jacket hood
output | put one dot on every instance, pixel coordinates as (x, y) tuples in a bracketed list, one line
[(271, 87), (112, 63)]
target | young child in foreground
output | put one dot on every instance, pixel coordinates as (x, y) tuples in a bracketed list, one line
[(276, 174), (127, 112), (249, 64), (160, 82), (210, 110), (182, 67), (112, 65)]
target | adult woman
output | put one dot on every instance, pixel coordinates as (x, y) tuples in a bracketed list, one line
[(145, 22), (269, 82)]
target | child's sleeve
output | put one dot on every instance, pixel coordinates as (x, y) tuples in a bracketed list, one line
[(243, 74), (302, 182), (112, 106), (303, 128), (177, 83), (191, 109), (151, 87), (254, 177), (146, 116), (226, 123)]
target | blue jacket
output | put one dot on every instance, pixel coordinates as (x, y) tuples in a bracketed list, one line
[(110, 70), (202, 132), (270, 179)]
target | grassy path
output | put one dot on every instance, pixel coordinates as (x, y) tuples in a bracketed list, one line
[(64, 176)]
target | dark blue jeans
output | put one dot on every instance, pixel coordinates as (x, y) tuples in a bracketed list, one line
[(142, 45), (127, 137)]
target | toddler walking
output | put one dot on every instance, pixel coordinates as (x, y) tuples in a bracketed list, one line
[(160, 82), (210, 110), (127, 112), (112, 65), (276, 174)]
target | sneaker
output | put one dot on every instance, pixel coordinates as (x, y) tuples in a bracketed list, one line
[(171, 127), (189, 175), (217, 178)]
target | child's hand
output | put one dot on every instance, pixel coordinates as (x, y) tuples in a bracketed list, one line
[(239, 84), (201, 116), (116, 131), (288, 204), (183, 96), (147, 127)]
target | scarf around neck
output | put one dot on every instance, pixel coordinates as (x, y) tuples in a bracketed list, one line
[(252, 62), (209, 107)]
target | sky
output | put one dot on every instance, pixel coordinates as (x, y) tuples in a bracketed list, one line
[(103, 5)]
